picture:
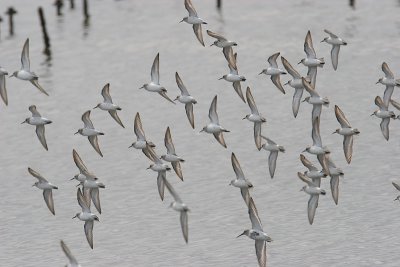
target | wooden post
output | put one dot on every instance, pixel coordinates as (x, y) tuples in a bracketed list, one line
[(59, 4), (71, 4), (1, 20), (11, 12), (46, 38), (219, 4), (85, 9)]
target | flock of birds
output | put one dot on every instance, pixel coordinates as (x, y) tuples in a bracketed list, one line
[(88, 192)]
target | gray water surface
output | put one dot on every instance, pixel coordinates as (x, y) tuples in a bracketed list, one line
[(136, 228)]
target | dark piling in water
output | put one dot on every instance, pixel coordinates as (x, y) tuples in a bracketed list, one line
[(219, 4), (46, 38), (59, 5), (1, 20), (72, 4), (11, 12), (85, 10)]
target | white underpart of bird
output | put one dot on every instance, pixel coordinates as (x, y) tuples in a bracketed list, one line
[(3, 89), (274, 150), (254, 117), (335, 173), (234, 76), (141, 142), (240, 182), (257, 233), (213, 127), (87, 216), (314, 191), (72, 260), (38, 121), (89, 131), (384, 114), (223, 43), (161, 168), (336, 42), (108, 105), (347, 131), (311, 61), (295, 83), (390, 83), (47, 188), (314, 99), (185, 98), (317, 148), (181, 207), (274, 71), (154, 85), (194, 19), (25, 72), (171, 155)]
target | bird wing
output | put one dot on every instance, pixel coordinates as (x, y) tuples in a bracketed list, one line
[(385, 127), (177, 168), (82, 201), (220, 138), (309, 88), (138, 128), (307, 163), (272, 60), (335, 188), (180, 84), (161, 178), (308, 46), (387, 95), (105, 92), (79, 162), (335, 56), (257, 134), (168, 142), (273, 155), (212, 113), (306, 179), (94, 141), (380, 104), (189, 113), (216, 36), (40, 134), (114, 115), (276, 79), (290, 69), (3, 90), (236, 167), (26, 64), (48, 198), (228, 53), (89, 232), (238, 89), (298, 93), (395, 104), (164, 94), (251, 102), (95, 196), (68, 253), (198, 32), (396, 185), (312, 207), (190, 8), (344, 123), (34, 111), (261, 252), (254, 218), (86, 120), (37, 175), (184, 225), (387, 71), (315, 133), (37, 85), (332, 35), (172, 191), (155, 70), (348, 147)]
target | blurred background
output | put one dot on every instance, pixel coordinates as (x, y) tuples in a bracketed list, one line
[(117, 44)]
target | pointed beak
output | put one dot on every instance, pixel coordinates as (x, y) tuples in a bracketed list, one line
[(130, 146), (304, 100), (244, 118), (76, 133), (181, 21), (12, 75), (334, 132), (221, 78), (23, 122), (372, 114), (72, 178), (322, 41), (74, 217), (141, 87), (212, 44), (240, 235), (260, 73), (96, 106), (286, 83), (202, 130), (298, 63), (304, 150), (78, 185), (377, 82), (33, 185)]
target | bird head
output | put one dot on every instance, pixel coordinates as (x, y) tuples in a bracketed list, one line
[(325, 39), (245, 232)]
